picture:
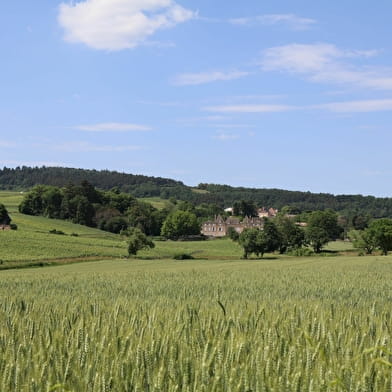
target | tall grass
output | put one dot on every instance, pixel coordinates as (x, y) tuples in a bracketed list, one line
[(311, 324)]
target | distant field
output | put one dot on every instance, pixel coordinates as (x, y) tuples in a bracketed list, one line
[(11, 200), (32, 243), (287, 325), (156, 202)]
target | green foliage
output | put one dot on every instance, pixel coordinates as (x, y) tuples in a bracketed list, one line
[(322, 227), (253, 241), (381, 232), (183, 256), (213, 194), (138, 241), (179, 224), (317, 237), (272, 236), (363, 239), (244, 208), (233, 234), (55, 231), (291, 236), (116, 224), (145, 217), (4, 217), (326, 220)]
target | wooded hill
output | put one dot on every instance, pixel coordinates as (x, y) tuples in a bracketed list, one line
[(23, 178)]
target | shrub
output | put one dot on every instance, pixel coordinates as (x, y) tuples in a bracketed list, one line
[(14, 226), (54, 231), (183, 256), (301, 252)]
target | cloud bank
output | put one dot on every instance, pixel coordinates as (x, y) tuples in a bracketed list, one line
[(118, 24)]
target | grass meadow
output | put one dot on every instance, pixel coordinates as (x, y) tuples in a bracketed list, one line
[(216, 323)]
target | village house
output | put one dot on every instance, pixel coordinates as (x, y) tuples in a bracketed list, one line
[(219, 227), (264, 213)]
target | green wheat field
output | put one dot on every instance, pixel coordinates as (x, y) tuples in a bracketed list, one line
[(216, 323)]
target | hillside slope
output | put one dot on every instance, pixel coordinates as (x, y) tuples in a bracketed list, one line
[(222, 195)]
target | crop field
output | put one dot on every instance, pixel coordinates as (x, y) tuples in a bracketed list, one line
[(299, 324)]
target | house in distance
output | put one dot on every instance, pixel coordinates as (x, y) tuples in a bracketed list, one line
[(219, 227)]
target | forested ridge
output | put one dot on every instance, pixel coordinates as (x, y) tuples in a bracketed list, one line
[(23, 178)]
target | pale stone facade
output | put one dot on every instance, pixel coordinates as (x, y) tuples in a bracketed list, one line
[(264, 213), (219, 227)]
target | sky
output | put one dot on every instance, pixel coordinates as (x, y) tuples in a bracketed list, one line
[(269, 94)]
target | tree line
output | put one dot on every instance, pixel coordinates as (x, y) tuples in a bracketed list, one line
[(116, 211), (284, 235), (348, 206)]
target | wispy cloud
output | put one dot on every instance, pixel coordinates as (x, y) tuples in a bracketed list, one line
[(193, 79), (358, 106), (292, 21), (263, 108), (375, 105), (118, 24), (327, 63), (112, 127)]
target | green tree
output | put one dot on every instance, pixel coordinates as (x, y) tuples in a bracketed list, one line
[(326, 220), (138, 241), (381, 232), (145, 217), (292, 236), (180, 224), (253, 241), (363, 239), (233, 234), (244, 208), (4, 217), (271, 236), (317, 237), (84, 211), (322, 227)]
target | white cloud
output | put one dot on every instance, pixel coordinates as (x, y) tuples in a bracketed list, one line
[(328, 64), (249, 108), (187, 79), (359, 106), (112, 127), (118, 24), (293, 22), (375, 105)]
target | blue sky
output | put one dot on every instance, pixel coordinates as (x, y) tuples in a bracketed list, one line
[(277, 94)]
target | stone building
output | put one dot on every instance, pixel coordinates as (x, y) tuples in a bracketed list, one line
[(219, 227), (267, 213)]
